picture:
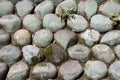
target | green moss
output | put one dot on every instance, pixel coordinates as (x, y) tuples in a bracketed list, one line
[(42, 64), (48, 51), (34, 60)]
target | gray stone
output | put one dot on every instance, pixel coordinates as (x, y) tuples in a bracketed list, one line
[(43, 71), (101, 23), (24, 7), (10, 54), (36, 2), (79, 52), (110, 7), (6, 7), (117, 50), (32, 23), (66, 5), (87, 8), (70, 70), (42, 37), (18, 71), (78, 23), (53, 22), (44, 8), (111, 38), (103, 52), (10, 22), (90, 36), (30, 51), (65, 38), (114, 70), (56, 2), (3, 70), (95, 70)]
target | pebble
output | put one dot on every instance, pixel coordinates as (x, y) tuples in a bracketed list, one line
[(103, 52), (24, 7), (117, 50), (10, 22), (70, 70), (95, 70), (32, 23), (109, 39), (87, 8), (78, 23), (43, 71), (90, 36), (6, 7), (22, 37), (114, 70), (65, 38), (18, 71), (101, 23), (10, 54), (53, 22), (30, 51), (42, 37), (44, 8), (79, 52)]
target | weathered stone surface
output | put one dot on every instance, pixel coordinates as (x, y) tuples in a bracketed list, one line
[(18, 71), (10, 54), (70, 70), (95, 70), (114, 70), (87, 8), (103, 52), (101, 23), (117, 50), (111, 38), (65, 38), (24, 7), (90, 36), (79, 52), (42, 37), (53, 22), (43, 71), (10, 22), (78, 23), (32, 23)]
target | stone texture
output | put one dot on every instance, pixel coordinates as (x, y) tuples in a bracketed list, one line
[(117, 50), (24, 7), (32, 23), (10, 54), (101, 23), (70, 70), (42, 37), (95, 70), (79, 52), (103, 52), (18, 71), (78, 23)]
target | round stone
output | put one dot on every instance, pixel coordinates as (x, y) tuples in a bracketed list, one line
[(6, 7), (24, 7), (30, 51), (70, 70), (43, 37), (43, 71), (44, 8), (10, 54), (103, 52), (117, 50), (95, 70), (65, 38), (101, 23), (18, 71), (90, 37), (87, 8), (32, 23), (79, 52), (53, 22), (22, 37), (109, 39), (114, 70), (78, 23)]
